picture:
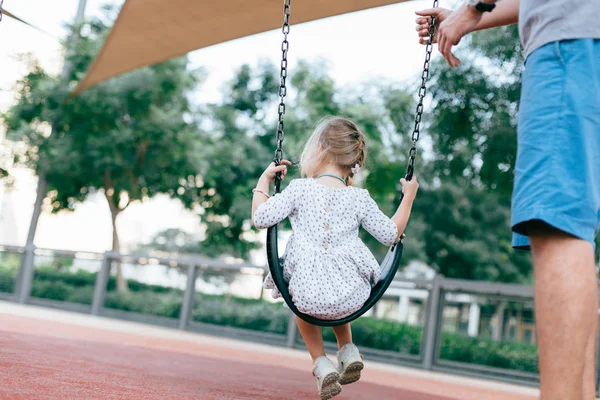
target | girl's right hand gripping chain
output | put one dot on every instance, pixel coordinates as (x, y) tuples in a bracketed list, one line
[(410, 188)]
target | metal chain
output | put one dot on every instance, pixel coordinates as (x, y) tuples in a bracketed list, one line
[(1, 5), (422, 92), (285, 45)]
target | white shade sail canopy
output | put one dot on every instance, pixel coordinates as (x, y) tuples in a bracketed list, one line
[(151, 31)]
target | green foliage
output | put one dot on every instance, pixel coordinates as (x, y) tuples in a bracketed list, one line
[(483, 351), (7, 279), (54, 290), (77, 279), (146, 302), (128, 136), (255, 315), (383, 335), (473, 122), (469, 235), (172, 241)]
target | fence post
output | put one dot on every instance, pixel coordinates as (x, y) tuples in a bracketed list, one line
[(262, 290), (432, 323), (101, 283), (291, 331), (188, 297), (24, 280)]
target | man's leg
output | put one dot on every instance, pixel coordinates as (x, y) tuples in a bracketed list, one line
[(566, 304), (589, 369)]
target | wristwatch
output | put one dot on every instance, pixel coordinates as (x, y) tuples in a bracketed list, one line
[(482, 6)]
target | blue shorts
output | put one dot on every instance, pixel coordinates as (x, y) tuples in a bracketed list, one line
[(557, 172)]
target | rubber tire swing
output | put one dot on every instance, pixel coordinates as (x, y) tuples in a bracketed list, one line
[(391, 262)]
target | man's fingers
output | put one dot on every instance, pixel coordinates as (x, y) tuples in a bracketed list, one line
[(445, 50), (441, 43), (455, 60), (445, 47), (430, 12)]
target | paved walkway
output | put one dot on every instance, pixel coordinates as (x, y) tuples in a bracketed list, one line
[(48, 354)]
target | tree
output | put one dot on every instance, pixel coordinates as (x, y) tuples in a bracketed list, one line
[(131, 137), (240, 142), (237, 151), (474, 113), (468, 235)]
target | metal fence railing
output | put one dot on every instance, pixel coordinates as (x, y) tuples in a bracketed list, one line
[(441, 324)]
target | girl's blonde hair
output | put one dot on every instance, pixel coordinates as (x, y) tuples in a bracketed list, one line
[(335, 140)]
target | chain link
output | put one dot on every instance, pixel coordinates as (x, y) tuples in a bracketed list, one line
[(285, 46), (1, 5), (422, 92)]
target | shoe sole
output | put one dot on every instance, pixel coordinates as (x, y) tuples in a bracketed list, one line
[(351, 373), (331, 386)]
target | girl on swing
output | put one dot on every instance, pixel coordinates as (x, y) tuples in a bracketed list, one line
[(329, 269)]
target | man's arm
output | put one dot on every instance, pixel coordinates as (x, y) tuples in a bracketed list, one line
[(452, 26), (505, 13)]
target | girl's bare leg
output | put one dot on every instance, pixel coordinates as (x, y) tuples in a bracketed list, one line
[(343, 334), (313, 337)]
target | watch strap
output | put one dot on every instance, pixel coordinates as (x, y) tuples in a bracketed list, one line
[(484, 7)]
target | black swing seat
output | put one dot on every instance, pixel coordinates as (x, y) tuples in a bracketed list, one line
[(389, 267)]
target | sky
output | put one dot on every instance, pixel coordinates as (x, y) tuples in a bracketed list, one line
[(373, 45)]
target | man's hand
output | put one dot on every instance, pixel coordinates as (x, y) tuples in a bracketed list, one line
[(451, 27), (424, 22)]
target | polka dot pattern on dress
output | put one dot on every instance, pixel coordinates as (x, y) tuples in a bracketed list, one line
[(329, 269)]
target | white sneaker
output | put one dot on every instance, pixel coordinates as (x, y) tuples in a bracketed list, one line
[(327, 378), (349, 364)]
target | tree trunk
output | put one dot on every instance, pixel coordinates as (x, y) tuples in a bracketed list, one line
[(116, 247), (25, 274)]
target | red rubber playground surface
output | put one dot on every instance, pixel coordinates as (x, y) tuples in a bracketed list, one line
[(46, 354)]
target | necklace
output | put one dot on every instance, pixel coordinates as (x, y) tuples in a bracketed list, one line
[(333, 176)]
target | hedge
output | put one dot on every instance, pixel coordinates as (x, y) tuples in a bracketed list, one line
[(259, 315)]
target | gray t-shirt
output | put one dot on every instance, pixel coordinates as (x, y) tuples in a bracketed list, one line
[(546, 21)]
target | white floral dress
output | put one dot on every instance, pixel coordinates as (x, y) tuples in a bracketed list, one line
[(329, 269)]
